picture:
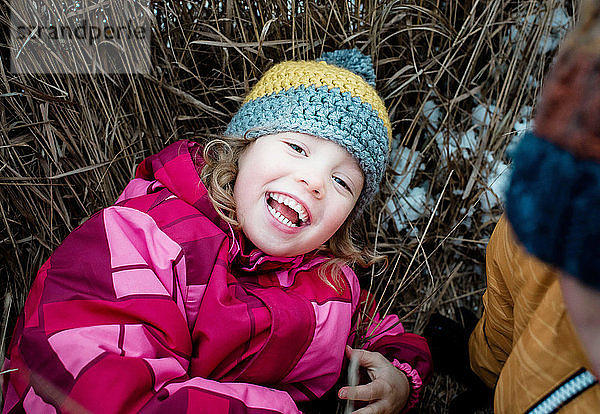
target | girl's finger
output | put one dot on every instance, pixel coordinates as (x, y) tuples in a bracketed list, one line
[(366, 359), (368, 392)]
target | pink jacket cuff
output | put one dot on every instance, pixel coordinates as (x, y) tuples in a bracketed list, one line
[(415, 383)]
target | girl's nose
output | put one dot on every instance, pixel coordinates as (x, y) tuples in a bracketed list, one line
[(314, 186)]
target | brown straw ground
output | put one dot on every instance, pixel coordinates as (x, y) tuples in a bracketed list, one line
[(69, 143)]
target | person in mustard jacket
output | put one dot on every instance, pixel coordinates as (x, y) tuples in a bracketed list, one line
[(538, 341)]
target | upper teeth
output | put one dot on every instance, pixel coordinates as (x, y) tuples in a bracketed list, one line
[(291, 203)]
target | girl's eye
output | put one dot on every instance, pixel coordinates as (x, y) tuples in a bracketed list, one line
[(342, 183), (297, 148)]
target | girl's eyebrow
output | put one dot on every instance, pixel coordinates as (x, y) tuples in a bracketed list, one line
[(300, 139)]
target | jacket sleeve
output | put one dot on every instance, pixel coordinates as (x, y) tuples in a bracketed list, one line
[(105, 329), (407, 351)]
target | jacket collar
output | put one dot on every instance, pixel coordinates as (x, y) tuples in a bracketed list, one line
[(178, 168), (250, 259)]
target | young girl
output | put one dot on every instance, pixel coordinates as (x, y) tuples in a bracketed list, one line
[(218, 282)]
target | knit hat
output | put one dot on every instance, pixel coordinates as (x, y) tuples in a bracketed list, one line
[(553, 201), (332, 98)]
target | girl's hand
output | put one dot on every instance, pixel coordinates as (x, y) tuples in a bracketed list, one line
[(387, 393)]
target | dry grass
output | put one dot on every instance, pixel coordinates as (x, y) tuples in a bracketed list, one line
[(69, 143)]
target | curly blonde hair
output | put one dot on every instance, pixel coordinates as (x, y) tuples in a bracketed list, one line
[(221, 156)]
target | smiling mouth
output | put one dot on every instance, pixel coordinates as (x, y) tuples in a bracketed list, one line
[(287, 210)]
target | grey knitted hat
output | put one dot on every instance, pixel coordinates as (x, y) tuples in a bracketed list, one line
[(332, 98)]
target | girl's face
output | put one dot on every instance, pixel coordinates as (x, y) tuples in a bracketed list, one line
[(293, 191)]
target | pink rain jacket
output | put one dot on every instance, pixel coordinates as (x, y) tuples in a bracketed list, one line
[(152, 306)]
